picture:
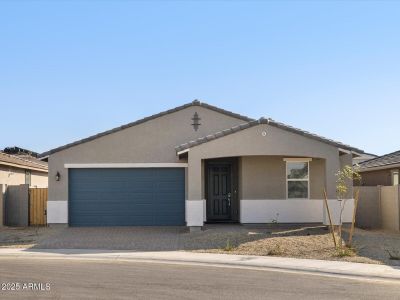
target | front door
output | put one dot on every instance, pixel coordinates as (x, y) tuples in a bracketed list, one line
[(219, 200)]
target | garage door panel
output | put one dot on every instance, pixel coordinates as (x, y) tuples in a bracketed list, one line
[(126, 197), (122, 196)]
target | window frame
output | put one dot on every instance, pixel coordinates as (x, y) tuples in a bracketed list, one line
[(297, 160)]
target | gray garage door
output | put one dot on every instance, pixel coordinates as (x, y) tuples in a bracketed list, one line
[(126, 197)]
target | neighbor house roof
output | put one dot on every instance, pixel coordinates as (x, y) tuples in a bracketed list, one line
[(387, 160), (18, 162), (194, 103), (270, 122)]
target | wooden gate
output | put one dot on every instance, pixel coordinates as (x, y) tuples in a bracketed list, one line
[(38, 206)]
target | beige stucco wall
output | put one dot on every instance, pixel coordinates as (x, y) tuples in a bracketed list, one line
[(378, 177), (11, 176), (264, 177), (390, 207), (317, 178), (39, 179), (16, 176), (369, 207), (277, 142), (347, 160), (150, 142)]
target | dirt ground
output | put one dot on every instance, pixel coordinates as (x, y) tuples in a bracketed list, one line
[(308, 242), (312, 242), (24, 237)]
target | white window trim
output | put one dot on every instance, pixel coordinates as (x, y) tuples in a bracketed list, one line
[(297, 159), (304, 160)]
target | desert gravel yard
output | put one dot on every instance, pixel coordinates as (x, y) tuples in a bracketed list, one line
[(24, 237), (314, 242)]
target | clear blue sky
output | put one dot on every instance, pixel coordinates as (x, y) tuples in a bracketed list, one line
[(72, 69)]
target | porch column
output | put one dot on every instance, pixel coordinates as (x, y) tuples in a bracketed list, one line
[(195, 201), (332, 167)]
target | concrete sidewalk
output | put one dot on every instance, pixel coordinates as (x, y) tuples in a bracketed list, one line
[(322, 267)]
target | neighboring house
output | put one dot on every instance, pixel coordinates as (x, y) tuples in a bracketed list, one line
[(363, 157), (193, 164), (382, 170), (16, 170)]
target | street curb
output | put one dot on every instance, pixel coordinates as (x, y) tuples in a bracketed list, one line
[(283, 264)]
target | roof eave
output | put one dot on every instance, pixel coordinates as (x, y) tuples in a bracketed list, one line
[(23, 167), (383, 167), (232, 130), (140, 121)]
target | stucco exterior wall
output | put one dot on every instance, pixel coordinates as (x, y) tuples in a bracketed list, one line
[(369, 207), (379, 207), (378, 177), (150, 142), (264, 177), (317, 178), (16, 176), (11, 176), (390, 207), (39, 179), (347, 160), (251, 142), (257, 151)]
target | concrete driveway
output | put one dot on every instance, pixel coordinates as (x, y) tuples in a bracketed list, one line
[(115, 238), (129, 238)]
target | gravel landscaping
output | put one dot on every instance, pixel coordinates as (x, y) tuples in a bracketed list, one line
[(24, 237), (313, 242)]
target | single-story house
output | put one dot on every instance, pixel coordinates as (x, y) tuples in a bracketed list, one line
[(382, 170), (193, 164), (16, 170)]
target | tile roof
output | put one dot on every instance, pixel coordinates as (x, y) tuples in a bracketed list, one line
[(381, 161), (193, 103), (23, 163), (270, 122)]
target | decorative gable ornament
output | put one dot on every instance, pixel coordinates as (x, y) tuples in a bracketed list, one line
[(196, 121)]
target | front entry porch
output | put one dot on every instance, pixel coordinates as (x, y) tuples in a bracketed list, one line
[(256, 189)]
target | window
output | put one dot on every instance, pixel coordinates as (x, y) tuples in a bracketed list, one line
[(395, 178), (297, 179), (28, 177)]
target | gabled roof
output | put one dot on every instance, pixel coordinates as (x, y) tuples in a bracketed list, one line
[(381, 161), (18, 162), (270, 122), (194, 103)]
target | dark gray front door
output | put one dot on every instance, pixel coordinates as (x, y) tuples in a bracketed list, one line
[(127, 197), (219, 192)]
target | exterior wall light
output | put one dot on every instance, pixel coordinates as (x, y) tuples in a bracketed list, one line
[(58, 176)]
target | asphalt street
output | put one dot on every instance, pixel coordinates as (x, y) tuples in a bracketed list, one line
[(86, 279)]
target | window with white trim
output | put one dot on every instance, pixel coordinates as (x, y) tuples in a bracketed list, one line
[(297, 179)]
